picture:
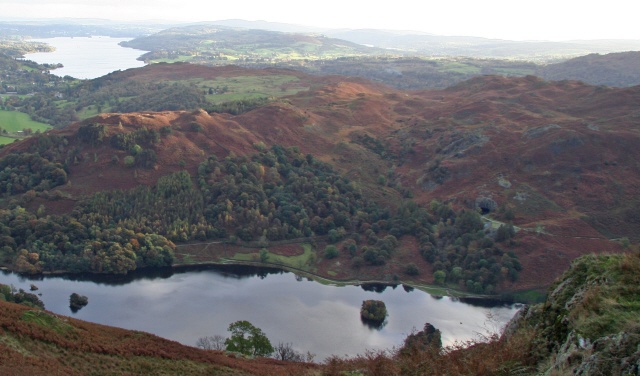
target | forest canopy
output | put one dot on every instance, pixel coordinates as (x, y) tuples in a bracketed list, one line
[(275, 194)]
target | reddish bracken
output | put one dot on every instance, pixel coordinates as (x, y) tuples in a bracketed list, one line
[(560, 157)]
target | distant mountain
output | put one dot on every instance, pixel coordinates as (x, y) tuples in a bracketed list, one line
[(210, 43), (415, 73), (615, 69), (439, 45), (264, 25), (407, 41), (430, 44), (426, 44)]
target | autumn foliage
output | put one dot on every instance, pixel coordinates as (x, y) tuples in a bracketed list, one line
[(41, 343)]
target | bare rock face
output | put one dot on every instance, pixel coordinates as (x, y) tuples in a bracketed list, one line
[(617, 354), (516, 322), (612, 355)]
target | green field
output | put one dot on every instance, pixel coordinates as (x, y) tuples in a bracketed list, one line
[(89, 111), (6, 140), (222, 89), (515, 71), (13, 121), (462, 68), (181, 59), (302, 261), (247, 87)]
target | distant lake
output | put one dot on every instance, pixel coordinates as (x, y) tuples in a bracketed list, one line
[(183, 305), (87, 57)]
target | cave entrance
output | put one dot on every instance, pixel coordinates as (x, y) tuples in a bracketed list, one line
[(486, 205)]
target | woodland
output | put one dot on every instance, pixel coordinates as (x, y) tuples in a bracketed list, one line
[(274, 194)]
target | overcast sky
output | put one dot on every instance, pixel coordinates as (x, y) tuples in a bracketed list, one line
[(504, 19)]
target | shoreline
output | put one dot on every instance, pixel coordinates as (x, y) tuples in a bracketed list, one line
[(435, 291)]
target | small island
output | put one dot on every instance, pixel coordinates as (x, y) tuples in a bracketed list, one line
[(77, 301), (373, 312)]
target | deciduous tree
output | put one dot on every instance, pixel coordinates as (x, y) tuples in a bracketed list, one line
[(247, 339)]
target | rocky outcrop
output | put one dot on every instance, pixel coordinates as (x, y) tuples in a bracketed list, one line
[(429, 338), (589, 324)]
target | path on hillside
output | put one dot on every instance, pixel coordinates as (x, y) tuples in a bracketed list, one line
[(540, 229)]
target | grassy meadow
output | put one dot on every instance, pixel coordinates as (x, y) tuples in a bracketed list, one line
[(14, 121), (248, 87), (6, 140)]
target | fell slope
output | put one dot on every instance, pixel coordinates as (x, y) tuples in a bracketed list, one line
[(559, 159), (38, 342)]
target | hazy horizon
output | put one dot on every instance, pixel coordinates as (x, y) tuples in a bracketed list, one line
[(497, 19)]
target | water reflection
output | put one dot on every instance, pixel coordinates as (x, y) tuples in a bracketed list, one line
[(185, 304), (373, 324), (376, 287), (227, 271), (484, 302)]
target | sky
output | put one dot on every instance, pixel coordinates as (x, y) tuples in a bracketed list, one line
[(554, 20)]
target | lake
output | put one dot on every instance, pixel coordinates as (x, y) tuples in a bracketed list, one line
[(186, 304), (87, 57)]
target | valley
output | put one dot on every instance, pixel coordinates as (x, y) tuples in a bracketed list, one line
[(393, 147), (465, 177)]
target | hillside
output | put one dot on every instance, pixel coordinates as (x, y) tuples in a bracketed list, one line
[(589, 323), (223, 44), (59, 101), (157, 87), (549, 154), (37, 342), (556, 159), (412, 73), (616, 69)]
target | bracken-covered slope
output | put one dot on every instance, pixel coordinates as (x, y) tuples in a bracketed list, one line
[(559, 159), (37, 342)]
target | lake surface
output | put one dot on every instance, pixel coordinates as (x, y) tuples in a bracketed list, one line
[(185, 305), (87, 57)]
